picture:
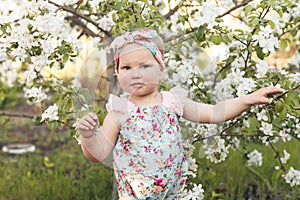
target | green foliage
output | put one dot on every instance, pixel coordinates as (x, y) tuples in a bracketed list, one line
[(31, 46)]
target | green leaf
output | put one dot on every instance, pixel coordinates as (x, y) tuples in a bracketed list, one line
[(255, 21), (65, 58), (216, 39), (283, 113), (52, 125), (240, 31), (276, 122), (253, 124), (259, 52), (200, 35), (279, 106), (283, 44), (247, 10)]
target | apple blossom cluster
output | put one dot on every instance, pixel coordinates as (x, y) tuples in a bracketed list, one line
[(192, 166), (214, 147), (186, 70), (196, 193), (51, 113), (266, 39), (34, 39), (262, 67), (95, 3), (203, 14), (35, 94), (292, 177), (284, 134), (207, 14), (36, 33), (255, 158), (234, 82), (106, 22), (286, 157), (8, 71)]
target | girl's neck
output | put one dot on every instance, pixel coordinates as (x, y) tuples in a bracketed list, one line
[(146, 100)]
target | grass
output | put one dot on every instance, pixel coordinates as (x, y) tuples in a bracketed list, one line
[(232, 179), (58, 170)]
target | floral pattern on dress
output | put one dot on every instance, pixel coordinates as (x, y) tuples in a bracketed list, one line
[(149, 160)]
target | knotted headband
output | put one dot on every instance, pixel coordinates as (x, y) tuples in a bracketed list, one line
[(145, 37)]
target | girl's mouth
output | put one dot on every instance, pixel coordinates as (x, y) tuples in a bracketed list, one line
[(137, 84)]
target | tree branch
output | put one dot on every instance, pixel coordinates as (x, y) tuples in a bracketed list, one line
[(171, 12), (80, 15), (245, 2), (16, 115), (281, 95), (29, 117), (85, 29)]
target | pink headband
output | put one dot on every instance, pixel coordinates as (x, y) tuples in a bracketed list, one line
[(145, 37)]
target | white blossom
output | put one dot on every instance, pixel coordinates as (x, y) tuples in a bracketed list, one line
[(234, 81), (292, 177), (262, 116), (36, 94), (192, 164), (197, 193), (255, 158), (30, 74), (284, 136), (266, 128), (245, 86), (262, 68), (279, 22), (106, 22), (207, 14), (51, 113), (286, 157), (266, 40)]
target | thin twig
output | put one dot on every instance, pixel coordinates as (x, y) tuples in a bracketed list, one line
[(281, 95), (16, 115), (29, 117), (278, 157), (234, 8)]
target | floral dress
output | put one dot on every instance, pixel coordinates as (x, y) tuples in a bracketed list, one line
[(149, 160)]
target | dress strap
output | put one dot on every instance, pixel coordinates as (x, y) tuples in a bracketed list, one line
[(175, 99), (118, 104)]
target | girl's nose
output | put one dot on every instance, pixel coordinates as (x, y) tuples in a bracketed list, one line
[(136, 73)]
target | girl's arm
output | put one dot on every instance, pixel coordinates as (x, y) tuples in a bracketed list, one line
[(228, 109), (97, 145)]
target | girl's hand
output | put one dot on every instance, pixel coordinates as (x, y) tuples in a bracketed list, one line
[(261, 96), (88, 124)]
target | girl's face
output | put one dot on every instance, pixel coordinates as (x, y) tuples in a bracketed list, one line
[(139, 73)]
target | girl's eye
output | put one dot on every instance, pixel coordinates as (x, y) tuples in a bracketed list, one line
[(125, 67), (145, 66)]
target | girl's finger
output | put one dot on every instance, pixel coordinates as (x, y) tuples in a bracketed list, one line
[(93, 116), (90, 120), (83, 127), (88, 124)]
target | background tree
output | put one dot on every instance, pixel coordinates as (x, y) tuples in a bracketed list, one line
[(205, 53)]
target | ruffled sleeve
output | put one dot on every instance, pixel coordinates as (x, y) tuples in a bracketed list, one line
[(118, 104), (175, 99)]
